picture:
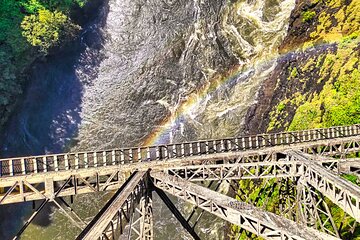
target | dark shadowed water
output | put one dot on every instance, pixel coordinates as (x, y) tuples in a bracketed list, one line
[(48, 115)]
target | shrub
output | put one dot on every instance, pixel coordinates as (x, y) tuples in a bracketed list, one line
[(281, 106), (46, 28), (308, 16)]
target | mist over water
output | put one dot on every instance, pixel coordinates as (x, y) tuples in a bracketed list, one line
[(136, 65)]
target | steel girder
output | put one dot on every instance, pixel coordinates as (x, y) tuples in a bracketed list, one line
[(131, 205), (246, 165), (340, 191), (263, 224), (313, 211), (334, 141)]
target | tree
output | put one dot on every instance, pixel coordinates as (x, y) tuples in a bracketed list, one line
[(47, 28)]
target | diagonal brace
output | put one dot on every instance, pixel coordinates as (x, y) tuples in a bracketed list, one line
[(176, 213), (261, 223)]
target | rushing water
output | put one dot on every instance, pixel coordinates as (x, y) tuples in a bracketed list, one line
[(146, 71)]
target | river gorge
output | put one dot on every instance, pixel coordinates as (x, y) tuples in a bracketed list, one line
[(146, 72)]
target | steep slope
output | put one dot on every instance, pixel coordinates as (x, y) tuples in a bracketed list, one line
[(316, 82)]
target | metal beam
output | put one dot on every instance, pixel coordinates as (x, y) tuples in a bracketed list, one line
[(251, 164), (38, 210), (118, 211), (340, 191), (261, 223), (177, 213), (237, 171), (141, 227), (313, 210), (336, 140), (246, 167)]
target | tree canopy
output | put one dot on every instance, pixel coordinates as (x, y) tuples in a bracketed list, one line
[(46, 28), (27, 26)]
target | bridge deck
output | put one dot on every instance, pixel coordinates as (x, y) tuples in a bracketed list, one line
[(86, 178), (84, 160)]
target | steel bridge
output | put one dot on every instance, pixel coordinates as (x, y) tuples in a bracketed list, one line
[(308, 165)]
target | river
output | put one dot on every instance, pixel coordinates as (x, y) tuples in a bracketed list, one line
[(145, 72)]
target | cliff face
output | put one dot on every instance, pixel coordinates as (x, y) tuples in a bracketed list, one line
[(316, 82)]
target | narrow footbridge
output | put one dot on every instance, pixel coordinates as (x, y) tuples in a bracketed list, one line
[(308, 165)]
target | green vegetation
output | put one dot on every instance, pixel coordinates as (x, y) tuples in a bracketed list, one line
[(28, 28), (294, 73), (338, 103), (308, 16), (46, 28), (340, 20), (281, 106), (328, 88), (279, 111), (352, 178), (261, 193), (327, 92)]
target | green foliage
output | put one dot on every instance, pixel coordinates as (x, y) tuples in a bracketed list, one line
[(264, 194), (281, 106), (351, 178), (46, 23), (336, 20), (294, 73), (13, 13), (46, 28), (277, 115), (308, 16), (32, 6), (348, 39), (338, 103), (332, 95)]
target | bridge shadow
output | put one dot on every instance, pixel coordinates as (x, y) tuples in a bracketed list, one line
[(47, 116)]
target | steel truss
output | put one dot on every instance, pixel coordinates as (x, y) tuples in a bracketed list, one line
[(282, 187), (340, 191), (29, 189), (142, 223), (110, 177), (261, 223), (67, 211), (131, 205), (313, 210), (273, 167), (282, 156)]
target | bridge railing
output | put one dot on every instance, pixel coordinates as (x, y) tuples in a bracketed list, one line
[(81, 160)]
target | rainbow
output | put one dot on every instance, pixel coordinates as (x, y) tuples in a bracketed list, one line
[(191, 101), (217, 81)]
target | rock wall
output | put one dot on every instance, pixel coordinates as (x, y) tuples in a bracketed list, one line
[(316, 81)]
